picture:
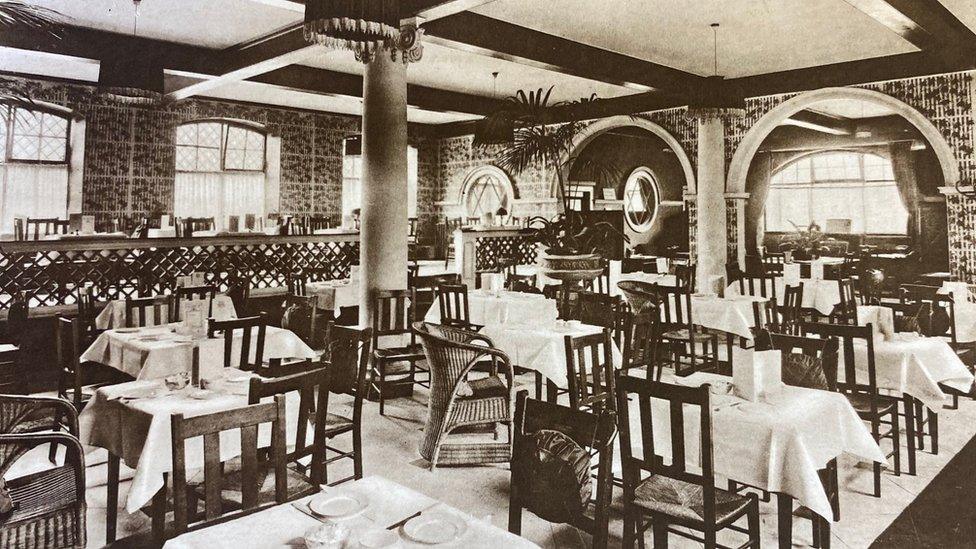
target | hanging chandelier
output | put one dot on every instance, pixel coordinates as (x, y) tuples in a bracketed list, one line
[(363, 26), (716, 97), (131, 75)]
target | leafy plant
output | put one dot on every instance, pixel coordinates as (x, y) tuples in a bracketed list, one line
[(15, 14), (527, 136)]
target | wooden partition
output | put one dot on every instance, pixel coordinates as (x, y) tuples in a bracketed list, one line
[(48, 272), (478, 250)]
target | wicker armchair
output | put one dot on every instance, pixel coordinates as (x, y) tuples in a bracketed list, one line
[(49, 505), (451, 354)]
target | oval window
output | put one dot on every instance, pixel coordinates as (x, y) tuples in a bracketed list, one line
[(641, 198)]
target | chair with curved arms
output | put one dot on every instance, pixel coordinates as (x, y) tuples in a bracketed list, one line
[(451, 354), (49, 506)]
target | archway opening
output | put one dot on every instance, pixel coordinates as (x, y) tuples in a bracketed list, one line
[(862, 170)]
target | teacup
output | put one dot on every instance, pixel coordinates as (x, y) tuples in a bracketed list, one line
[(178, 381)]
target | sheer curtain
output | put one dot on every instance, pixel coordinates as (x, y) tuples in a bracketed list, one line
[(903, 166), (218, 195), (32, 190)]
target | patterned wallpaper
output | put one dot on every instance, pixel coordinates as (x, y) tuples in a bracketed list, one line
[(130, 150)]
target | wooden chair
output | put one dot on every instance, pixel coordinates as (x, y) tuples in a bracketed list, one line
[(642, 341), (312, 386), (601, 284), (251, 326), (759, 285), (589, 369), (347, 353), (238, 290), (765, 316), (52, 226), (791, 312), (137, 311), (452, 300), (686, 342), (71, 342), (209, 426), (296, 282), (393, 315), (489, 403), (50, 509), (595, 433), (12, 347), (845, 312), (566, 297), (301, 316), (522, 283), (685, 275), (87, 307), (193, 292), (673, 495), (862, 390)]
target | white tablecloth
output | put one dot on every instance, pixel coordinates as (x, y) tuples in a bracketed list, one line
[(389, 503), (821, 295), (965, 310), (504, 308), (732, 314), (660, 279), (154, 359), (778, 445), (541, 347), (113, 315), (914, 365), (138, 431), (332, 295)]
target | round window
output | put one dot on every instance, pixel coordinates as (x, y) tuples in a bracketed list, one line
[(641, 198)]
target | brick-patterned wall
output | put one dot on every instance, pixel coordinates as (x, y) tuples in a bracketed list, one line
[(130, 151)]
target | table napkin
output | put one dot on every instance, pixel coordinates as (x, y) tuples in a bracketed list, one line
[(817, 269), (791, 274), (881, 317), (761, 375)]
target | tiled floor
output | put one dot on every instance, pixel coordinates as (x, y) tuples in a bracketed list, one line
[(391, 450)]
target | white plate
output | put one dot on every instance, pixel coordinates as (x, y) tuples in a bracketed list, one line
[(143, 392), (126, 330), (201, 394), (338, 506), (435, 527), (238, 378)]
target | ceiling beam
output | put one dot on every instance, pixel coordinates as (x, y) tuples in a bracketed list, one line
[(482, 35), (252, 58), (820, 122), (438, 9), (926, 24)]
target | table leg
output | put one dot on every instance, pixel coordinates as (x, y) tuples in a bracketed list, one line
[(784, 520), (909, 404), (159, 513), (112, 498)]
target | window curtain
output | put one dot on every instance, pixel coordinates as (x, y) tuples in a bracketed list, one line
[(903, 166), (218, 195), (32, 190)]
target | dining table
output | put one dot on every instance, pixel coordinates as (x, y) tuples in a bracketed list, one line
[(503, 307), (132, 422), (778, 442), (818, 294), (385, 505), (154, 352), (113, 315), (333, 295)]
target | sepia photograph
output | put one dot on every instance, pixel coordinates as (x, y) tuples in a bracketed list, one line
[(487, 274)]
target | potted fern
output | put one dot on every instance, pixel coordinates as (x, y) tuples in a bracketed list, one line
[(523, 135)]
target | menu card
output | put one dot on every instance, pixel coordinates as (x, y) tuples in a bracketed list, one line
[(194, 322), (662, 264), (183, 281), (616, 267), (791, 274), (788, 256), (223, 309), (354, 272), (87, 224), (817, 269), (761, 376), (164, 221), (198, 278)]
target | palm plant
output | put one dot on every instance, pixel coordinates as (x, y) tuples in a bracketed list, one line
[(527, 136)]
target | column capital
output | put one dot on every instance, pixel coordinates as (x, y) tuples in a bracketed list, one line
[(406, 47)]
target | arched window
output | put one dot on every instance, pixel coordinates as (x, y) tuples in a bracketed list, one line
[(844, 187), (641, 199), (487, 189), (34, 164), (220, 170)]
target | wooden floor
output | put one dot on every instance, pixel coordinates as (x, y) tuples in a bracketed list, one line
[(391, 450)]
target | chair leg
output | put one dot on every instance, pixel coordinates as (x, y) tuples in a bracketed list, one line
[(755, 525), (357, 448), (934, 431), (919, 425), (112, 499), (910, 429), (660, 533), (380, 388), (896, 440)]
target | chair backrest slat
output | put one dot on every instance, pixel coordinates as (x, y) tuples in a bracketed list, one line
[(589, 365), (161, 307), (247, 327), (452, 301)]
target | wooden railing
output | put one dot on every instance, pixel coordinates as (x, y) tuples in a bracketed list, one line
[(48, 273)]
